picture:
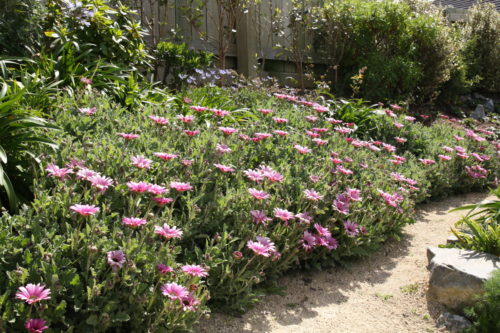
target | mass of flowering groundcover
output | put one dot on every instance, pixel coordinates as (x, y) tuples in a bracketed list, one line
[(145, 220)]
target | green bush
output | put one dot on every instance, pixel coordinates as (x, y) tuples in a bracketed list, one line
[(482, 48), (21, 26), (406, 49), (355, 206), (19, 132), (179, 61), (483, 224), (485, 313)]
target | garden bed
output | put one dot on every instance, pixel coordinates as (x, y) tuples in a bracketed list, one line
[(144, 220)]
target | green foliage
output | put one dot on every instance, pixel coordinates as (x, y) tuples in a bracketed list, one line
[(177, 59), (19, 132), (49, 243), (408, 49), (482, 49), (485, 313), (21, 26), (483, 222)]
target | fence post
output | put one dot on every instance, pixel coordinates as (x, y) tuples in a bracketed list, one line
[(246, 43)]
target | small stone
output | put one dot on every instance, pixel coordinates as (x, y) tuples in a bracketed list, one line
[(478, 113), (453, 322)]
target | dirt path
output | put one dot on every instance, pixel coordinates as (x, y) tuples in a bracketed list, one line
[(385, 293)]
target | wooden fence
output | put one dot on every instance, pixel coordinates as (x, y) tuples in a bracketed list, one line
[(257, 39)]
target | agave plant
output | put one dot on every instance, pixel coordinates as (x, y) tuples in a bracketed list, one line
[(19, 131), (483, 221)]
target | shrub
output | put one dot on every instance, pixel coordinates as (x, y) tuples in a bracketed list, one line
[(407, 52), (282, 192), (21, 26), (483, 222), (482, 49), (179, 61), (485, 313), (19, 132)]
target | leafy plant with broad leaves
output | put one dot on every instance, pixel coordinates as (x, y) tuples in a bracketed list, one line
[(19, 131)]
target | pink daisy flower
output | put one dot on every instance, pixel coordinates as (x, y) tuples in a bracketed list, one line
[(159, 120), (180, 186), (398, 125), (311, 119), (334, 121), (351, 228), (36, 325), (320, 109), (139, 187), (87, 111), (400, 140), (55, 171), (354, 194), (141, 162), (128, 136), (166, 156), (444, 157), (164, 269), (198, 108), (174, 291), (259, 217), (259, 195), (116, 259), (194, 270), (86, 81), (262, 136), (410, 119), (312, 195), (426, 161), (278, 120), (162, 201), (280, 133), (447, 149), (84, 210), (255, 175), (185, 119), (189, 303), (304, 217), (85, 174), (156, 189), (322, 231), (262, 247), (319, 142), (100, 182), (222, 148), (265, 111), (168, 232), (33, 293), (228, 130), (308, 241), (283, 214), (220, 113), (187, 162), (133, 221), (224, 168), (191, 133), (302, 149)]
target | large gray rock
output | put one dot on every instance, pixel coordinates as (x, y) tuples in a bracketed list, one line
[(457, 276), (489, 105), (479, 113)]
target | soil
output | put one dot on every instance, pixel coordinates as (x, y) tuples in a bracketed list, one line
[(384, 293)]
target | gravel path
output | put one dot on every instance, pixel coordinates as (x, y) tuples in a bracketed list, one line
[(385, 293)]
